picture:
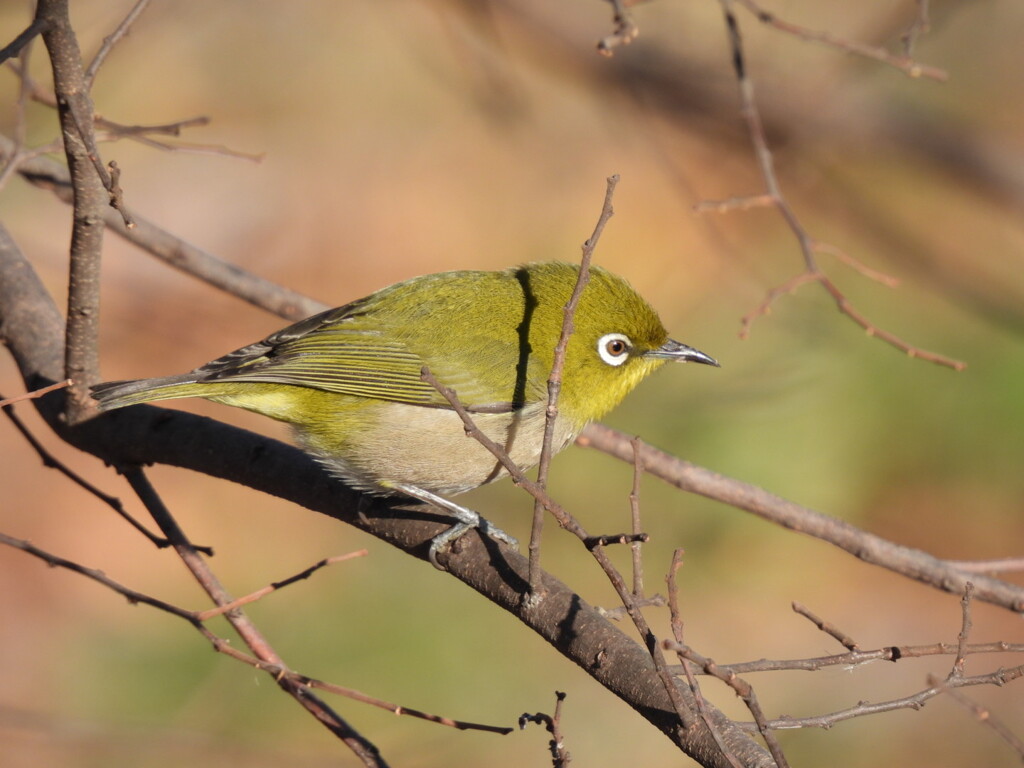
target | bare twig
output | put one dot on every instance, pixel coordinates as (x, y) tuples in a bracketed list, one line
[(253, 638), (196, 619), (871, 274), (4, 402), (50, 461), (1001, 565), (774, 196), (19, 157), (868, 547), (20, 121), (741, 203), (848, 642), (676, 622), (920, 26), (179, 254), (672, 583), (98, 576), (914, 701), (902, 62), (619, 612), (617, 538), (854, 659), (112, 39), (118, 130), (555, 377), (273, 587), (106, 129), (984, 715), (634, 511), (570, 523), (560, 756), (76, 109), (625, 31), (965, 631), (26, 36), (744, 690)]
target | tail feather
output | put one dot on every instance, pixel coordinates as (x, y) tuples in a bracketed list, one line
[(119, 394)]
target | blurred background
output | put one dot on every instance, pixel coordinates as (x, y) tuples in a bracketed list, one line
[(403, 138)]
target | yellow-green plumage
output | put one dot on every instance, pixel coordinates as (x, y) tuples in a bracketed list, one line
[(349, 380)]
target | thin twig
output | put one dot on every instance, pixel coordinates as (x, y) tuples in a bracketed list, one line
[(196, 619), (252, 597), (4, 402), (572, 525), (111, 40), (21, 157), (774, 196), (739, 203), (253, 638), (829, 629), (984, 715), (965, 632), (619, 612), (920, 26), (634, 512), (676, 622), (854, 659), (617, 538), (855, 264), (51, 462), (555, 378), (26, 36), (914, 701), (744, 690), (1000, 565), (560, 756), (289, 304), (625, 31), (133, 597), (904, 62), (868, 547)]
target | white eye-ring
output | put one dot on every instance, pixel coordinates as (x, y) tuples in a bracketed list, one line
[(614, 348)]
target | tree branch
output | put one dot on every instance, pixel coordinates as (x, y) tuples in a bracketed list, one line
[(870, 548), (286, 303), (81, 359)]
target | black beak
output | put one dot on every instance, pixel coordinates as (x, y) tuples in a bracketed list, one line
[(674, 350)]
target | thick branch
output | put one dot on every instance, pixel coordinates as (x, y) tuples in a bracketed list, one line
[(81, 361)]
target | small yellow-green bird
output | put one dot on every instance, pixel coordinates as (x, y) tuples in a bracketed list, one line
[(349, 380)]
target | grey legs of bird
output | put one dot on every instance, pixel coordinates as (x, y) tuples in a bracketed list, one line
[(467, 520)]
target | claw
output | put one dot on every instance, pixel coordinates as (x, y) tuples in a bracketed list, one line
[(466, 519)]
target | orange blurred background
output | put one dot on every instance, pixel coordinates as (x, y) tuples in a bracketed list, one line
[(404, 138)]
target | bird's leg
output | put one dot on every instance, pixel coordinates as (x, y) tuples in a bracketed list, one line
[(467, 520)]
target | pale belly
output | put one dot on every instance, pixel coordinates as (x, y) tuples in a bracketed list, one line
[(429, 448)]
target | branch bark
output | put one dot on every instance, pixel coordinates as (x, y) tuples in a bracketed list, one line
[(81, 360)]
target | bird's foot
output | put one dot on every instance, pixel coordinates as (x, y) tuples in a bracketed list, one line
[(467, 520)]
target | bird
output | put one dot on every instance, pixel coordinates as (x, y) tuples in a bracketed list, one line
[(350, 380)]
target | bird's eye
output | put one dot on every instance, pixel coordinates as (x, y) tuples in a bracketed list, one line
[(614, 348)]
